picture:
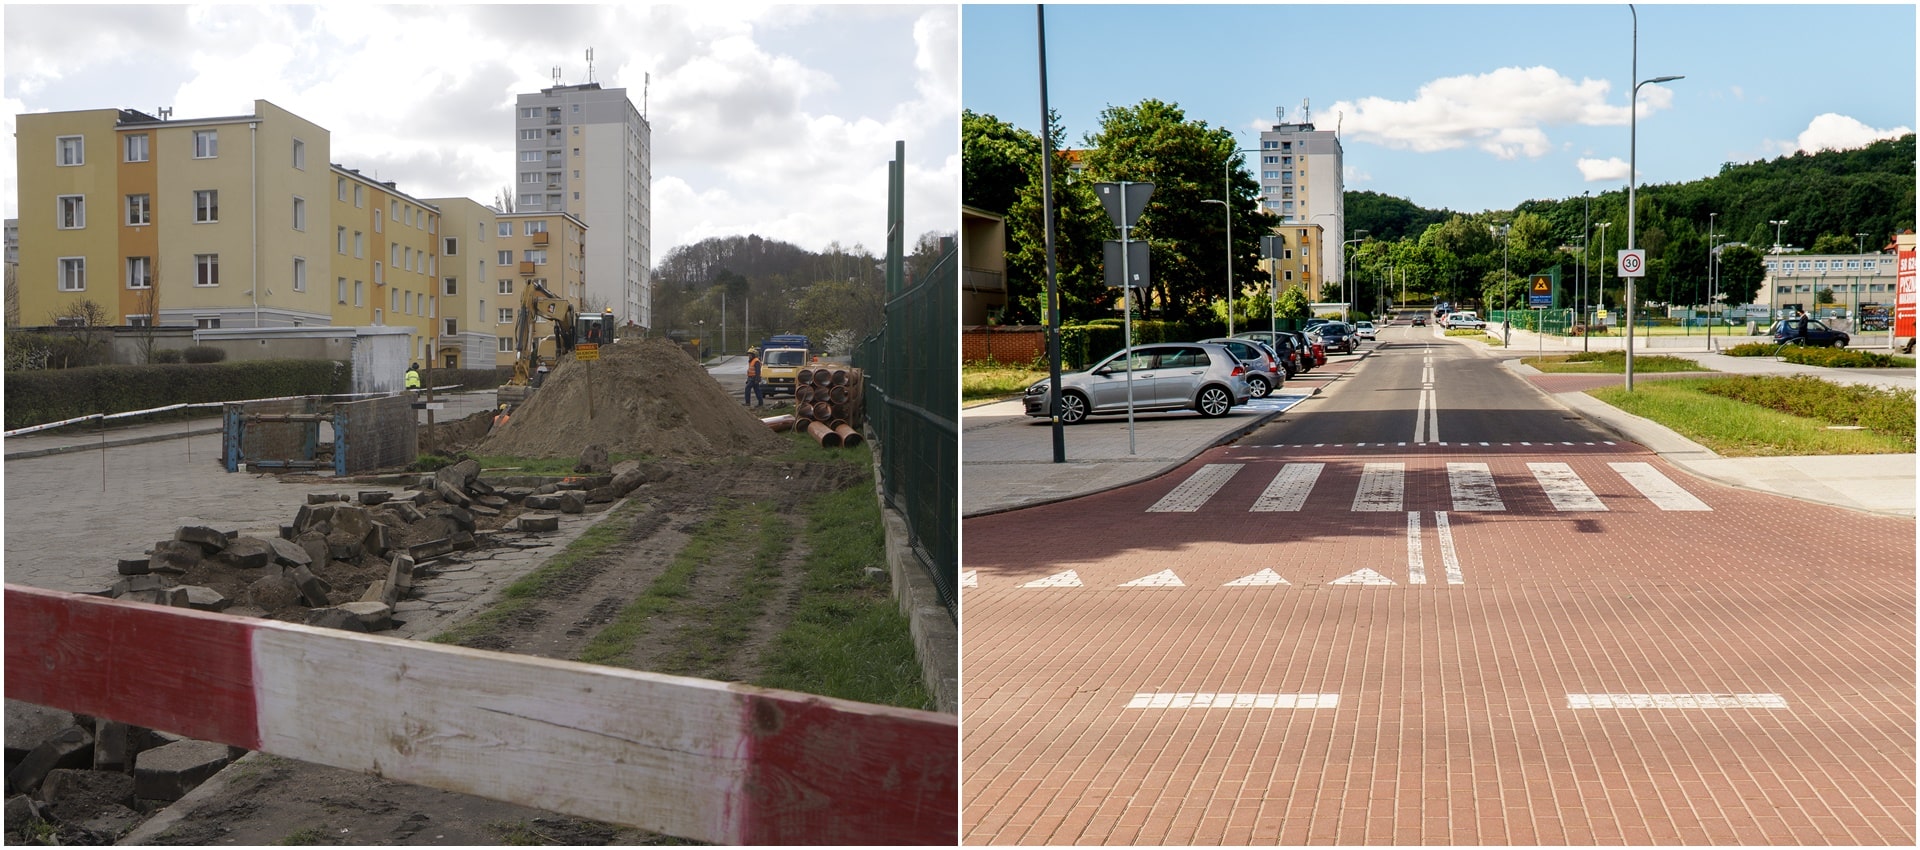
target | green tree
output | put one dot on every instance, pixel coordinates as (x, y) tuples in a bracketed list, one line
[(1833, 243), (840, 309), (997, 159), (1293, 303), (1080, 226), (1742, 271)]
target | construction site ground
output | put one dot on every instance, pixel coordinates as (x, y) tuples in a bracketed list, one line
[(264, 799)]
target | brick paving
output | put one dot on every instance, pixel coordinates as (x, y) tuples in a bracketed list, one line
[(1453, 722)]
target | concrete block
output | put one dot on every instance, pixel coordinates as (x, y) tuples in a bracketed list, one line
[(212, 539), (547, 489), (175, 556), (463, 541), (406, 511), (28, 725), (432, 528), (132, 583), (354, 617), (290, 553), (319, 498), (313, 589), (400, 574), (247, 553), (430, 549), (458, 475), (539, 522), (378, 540), (136, 566), (424, 497), (462, 518), (205, 598), (542, 502), (382, 592), (572, 501), (482, 510), (70, 747), (274, 592), (479, 487), (345, 545), (514, 494), (451, 494), (491, 501), (172, 597), (314, 543), (20, 810), (168, 772), (593, 459), (113, 745), (374, 497), (352, 520)]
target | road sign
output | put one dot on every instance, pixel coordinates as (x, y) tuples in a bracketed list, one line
[(1540, 291), (586, 351), (1633, 262), (1272, 247), (1138, 268), (1136, 201)]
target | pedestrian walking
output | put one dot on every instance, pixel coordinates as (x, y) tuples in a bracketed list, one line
[(1802, 316), (753, 395)]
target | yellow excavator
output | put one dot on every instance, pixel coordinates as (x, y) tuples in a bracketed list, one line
[(570, 329)]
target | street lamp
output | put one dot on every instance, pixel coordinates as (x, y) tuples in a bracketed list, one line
[(1228, 209), (1600, 298), (1633, 133), (1859, 243), (1777, 247), (1713, 263), (1506, 293), (1346, 284)]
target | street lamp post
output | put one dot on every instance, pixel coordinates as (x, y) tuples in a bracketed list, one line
[(1586, 243), (1713, 261), (1601, 298), (1506, 291), (1228, 209), (1633, 127), (1777, 247), (1346, 283)]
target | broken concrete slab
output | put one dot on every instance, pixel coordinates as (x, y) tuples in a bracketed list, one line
[(315, 545), (172, 597), (290, 553), (450, 493), (400, 574), (168, 772), (27, 725), (313, 589), (352, 520), (374, 497), (381, 592), (542, 502), (482, 510), (132, 583), (136, 566), (514, 494), (538, 522), (463, 541), (378, 540), (458, 475), (114, 744), (70, 747), (345, 545), (354, 617), (247, 553), (212, 539), (94, 786), (593, 459), (572, 501), (274, 592), (205, 598), (430, 549), (175, 556)]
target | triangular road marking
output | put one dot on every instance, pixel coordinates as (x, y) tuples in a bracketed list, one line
[(1363, 576), (970, 578), (1263, 578), (1066, 579), (1163, 578)]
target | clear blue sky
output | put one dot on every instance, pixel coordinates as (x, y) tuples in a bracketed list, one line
[(1471, 107)]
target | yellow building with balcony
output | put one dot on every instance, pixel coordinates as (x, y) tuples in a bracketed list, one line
[(537, 248)]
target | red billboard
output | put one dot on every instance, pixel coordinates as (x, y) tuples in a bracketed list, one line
[(1903, 299)]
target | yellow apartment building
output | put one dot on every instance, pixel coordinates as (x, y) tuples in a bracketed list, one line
[(543, 248), (468, 305), (1292, 261)]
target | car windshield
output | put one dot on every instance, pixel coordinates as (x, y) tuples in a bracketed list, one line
[(786, 357)]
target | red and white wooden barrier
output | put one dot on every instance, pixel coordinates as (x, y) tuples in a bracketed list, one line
[(699, 759)]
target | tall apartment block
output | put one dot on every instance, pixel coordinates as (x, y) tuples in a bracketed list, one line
[(586, 151), (1301, 180)]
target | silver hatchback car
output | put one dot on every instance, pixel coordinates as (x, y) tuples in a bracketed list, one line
[(1165, 376)]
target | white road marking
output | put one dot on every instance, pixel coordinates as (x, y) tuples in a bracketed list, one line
[(1381, 487), (1163, 578), (1416, 558), (1264, 578), (970, 578), (1196, 490), (1362, 576), (1448, 558), (1066, 579), (1206, 700), (1676, 701), (1289, 489), (1473, 489), (1564, 488), (1658, 488)]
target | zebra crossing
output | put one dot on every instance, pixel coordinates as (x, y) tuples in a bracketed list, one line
[(1472, 488)]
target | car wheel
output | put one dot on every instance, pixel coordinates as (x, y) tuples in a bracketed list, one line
[(1213, 401), (1073, 408), (1258, 387), (1840, 342)]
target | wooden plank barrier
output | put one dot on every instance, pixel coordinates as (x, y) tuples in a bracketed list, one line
[(711, 761)]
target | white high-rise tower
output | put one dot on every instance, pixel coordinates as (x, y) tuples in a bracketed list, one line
[(1302, 181)]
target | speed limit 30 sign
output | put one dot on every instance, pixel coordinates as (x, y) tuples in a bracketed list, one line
[(1633, 262)]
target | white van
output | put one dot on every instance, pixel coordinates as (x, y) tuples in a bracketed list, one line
[(1463, 319)]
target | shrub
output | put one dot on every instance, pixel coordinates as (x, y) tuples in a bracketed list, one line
[(40, 396), (1882, 411), (1750, 349), (167, 355), (1840, 358), (203, 354)]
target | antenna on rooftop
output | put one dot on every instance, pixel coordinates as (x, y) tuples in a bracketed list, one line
[(646, 82), (1306, 111), (589, 64), (556, 75), (166, 112), (1280, 114)]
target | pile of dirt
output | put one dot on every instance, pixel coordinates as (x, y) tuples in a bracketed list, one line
[(647, 398)]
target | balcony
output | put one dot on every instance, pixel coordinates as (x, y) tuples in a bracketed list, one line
[(540, 238), (526, 268)]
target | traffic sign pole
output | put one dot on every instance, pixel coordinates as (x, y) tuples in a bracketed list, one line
[(1633, 264)]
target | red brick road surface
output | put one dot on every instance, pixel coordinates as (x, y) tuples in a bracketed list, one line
[(1452, 713)]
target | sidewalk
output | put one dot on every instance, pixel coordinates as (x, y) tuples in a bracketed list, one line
[(1007, 458)]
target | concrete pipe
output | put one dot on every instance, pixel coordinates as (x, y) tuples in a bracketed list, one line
[(781, 423), (839, 378), (803, 393), (848, 437), (805, 376), (839, 394), (826, 437)]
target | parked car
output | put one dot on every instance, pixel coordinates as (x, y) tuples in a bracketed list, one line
[(1293, 358), (1264, 372), (1164, 376), (1787, 331), (1338, 336), (1312, 346), (1463, 319), (1363, 330)]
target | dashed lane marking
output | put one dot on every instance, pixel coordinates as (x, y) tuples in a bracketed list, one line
[(1290, 487), (1264, 578), (1381, 487), (1658, 488), (1197, 489), (1564, 487), (1209, 700), (1473, 488), (1676, 701), (1416, 556), (1163, 578)]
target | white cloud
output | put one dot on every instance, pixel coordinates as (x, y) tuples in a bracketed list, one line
[(1612, 170), (1503, 112), (1355, 175), (1834, 132)]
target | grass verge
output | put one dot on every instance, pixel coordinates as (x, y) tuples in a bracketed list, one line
[(603, 536), (987, 381), (1742, 425), (1610, 363)]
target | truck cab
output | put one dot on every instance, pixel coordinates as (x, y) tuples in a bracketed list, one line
[(781, 359)]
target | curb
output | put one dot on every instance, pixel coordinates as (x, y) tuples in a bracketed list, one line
[(26, 454)]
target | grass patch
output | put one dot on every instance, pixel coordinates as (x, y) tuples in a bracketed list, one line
[(308, 836), (714, 629), (805, 449), (989, 380), (604, 535), (848, 638), (1609, 363), (1766, 416)]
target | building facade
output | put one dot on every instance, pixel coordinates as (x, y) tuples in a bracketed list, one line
[(1294, 246), (536, 250), (1302, 181), (586, 151), (1796, 281)]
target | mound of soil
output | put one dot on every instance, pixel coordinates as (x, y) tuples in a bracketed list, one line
[(647, 397)]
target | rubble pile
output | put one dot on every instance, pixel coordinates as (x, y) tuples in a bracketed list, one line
[(642, 397)]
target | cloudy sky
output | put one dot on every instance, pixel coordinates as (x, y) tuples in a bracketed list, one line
[(1473, 107), (769, 120)]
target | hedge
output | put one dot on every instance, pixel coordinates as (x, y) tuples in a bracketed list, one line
[(50, 395)]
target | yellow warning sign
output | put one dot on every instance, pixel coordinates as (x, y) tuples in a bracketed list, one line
[(587, 351), (1542, 284)]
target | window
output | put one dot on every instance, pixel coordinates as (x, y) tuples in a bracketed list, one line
[(531, 156), (206, 144), (206, 205), (530, 200), (136, 147), (139, 320), (506, 345), (359, 196), (300, 214), (393, 209), (359, 292), (139, 272), (206, 322), (506, 258), (393, 255), (536, 256), (206, 270), (410, 218), (536, 227), (340, 189), (433, 306), (433, 264), (72, 212), (299, 154), (376, 222), (433, 224), (359, 245), (340, 240), (506, 228), (1269, 175), (530, 112), (73, 274), (379, 274), (530, 177), (408, 254), (452, 286), (299, 274), (340, 290), (451, 246), (1289, 275), (72, 150), (451, 327), (393, 300), (1820, 265), (506, 315), (506, 286), (529, 135), (1269, 160), (1269, 145), (576, 109), (576, 174)]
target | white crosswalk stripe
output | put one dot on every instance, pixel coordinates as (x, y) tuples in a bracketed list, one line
[(1382, 487), (1196, 490), (1289, 489), (1564, 487), (1473, 489), (1658, 488)]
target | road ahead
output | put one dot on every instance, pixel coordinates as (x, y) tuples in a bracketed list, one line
[(1432, 606)]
